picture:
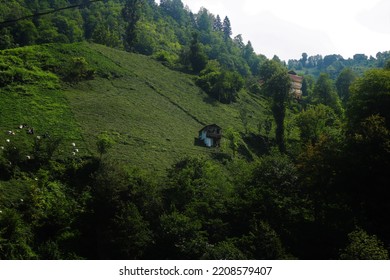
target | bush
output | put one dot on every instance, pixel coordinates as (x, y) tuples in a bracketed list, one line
[(15, 237), (221, 84), (78, 70), (168, 59), (364, 247)]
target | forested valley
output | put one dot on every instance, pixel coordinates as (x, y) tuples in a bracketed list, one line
[(100, 102)]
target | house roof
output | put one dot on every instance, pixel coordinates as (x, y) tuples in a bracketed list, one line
[(296, 78), (210, 126), (292, 72)]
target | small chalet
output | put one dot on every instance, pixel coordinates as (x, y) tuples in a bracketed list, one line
[(211, 135), (296, 85)]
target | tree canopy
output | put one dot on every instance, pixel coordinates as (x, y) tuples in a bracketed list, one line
[(304, 178)]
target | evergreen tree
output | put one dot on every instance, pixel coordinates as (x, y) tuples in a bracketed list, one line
[(131, 15), (204, 20), (239, 42), (197, 57), (173, 8), (226, 28), (218, 24), (277, 84), (248, 51)]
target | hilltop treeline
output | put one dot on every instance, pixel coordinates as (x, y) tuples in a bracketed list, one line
[(170, 32), (334, 64), (165, 31)]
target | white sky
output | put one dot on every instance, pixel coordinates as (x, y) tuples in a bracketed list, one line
[(289, 28)]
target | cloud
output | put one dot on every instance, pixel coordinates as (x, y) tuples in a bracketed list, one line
[(377, 19), (272, 35), (289, 28), (274, 27)]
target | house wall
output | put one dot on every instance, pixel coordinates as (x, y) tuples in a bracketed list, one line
[(208, 142), (211, 135)]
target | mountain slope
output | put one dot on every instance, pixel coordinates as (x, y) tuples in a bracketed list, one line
[(153, 113)]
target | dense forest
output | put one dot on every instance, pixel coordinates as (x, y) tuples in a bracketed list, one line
[(308, 180)]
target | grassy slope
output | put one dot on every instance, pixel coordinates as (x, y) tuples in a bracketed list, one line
[(33, 97), (152, 112)]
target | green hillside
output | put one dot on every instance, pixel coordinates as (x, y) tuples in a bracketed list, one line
[(151, 112), (99, 150)]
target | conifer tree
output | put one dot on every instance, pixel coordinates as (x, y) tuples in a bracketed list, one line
[(218, 24), (197, 56), (277, 84), (226, 28), (131, 15)]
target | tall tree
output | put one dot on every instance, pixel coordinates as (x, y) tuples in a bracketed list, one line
[(197, 57), (360, 57), (343, 82), (303, 60), (277, 84), (173, 8), (204, 20), (218, 24), (131, 15), (227, 28), (307, 85), (325, 93), (239, 42), (248, 51), (370, 95), (368, 150)]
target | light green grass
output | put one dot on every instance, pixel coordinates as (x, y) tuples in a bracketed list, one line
[(152, 112)]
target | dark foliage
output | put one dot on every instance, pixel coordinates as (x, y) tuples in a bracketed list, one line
[(323, 195)]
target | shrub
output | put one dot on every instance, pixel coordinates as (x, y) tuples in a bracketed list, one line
[(364, 247), (219, 83)]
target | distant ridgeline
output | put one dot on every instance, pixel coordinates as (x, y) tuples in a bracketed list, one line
[(334, 64)]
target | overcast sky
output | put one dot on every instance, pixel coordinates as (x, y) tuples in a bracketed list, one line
[(289, 28)]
